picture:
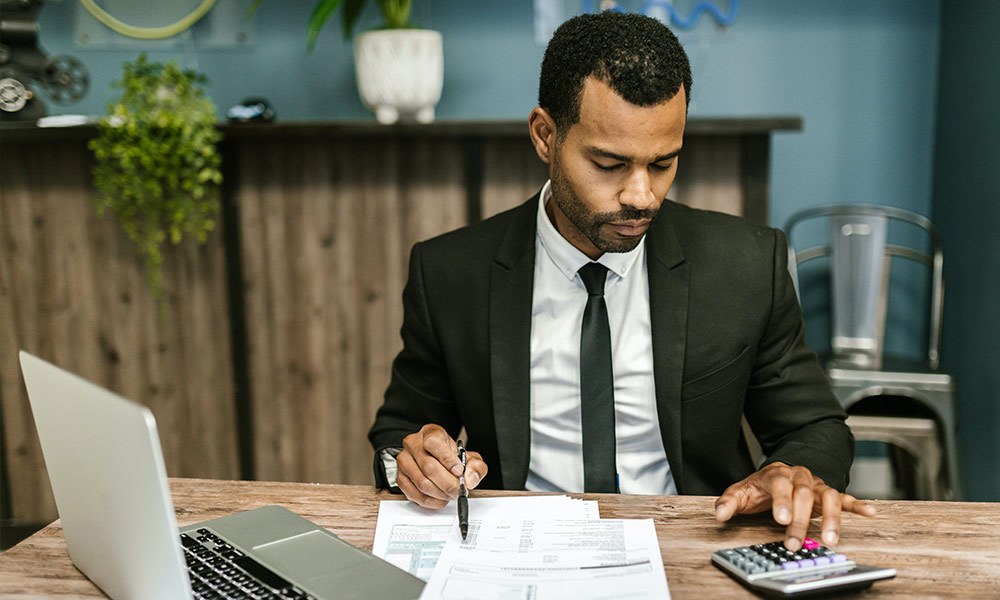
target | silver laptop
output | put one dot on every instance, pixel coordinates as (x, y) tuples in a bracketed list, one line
[(109, 481)]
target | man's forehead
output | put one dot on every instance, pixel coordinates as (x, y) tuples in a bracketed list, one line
[(612, 124)]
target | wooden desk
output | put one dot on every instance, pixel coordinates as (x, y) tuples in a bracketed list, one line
[(940, 549)]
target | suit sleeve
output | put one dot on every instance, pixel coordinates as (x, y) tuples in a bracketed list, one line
[(790, 405), (419, 389)]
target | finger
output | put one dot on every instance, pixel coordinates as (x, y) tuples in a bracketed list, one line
[(730, 502), (781, 488), (859, 507), (749, 496), (439, 444), (803, 498), (830, 526), (438, 477), (415, 495), (425, 473), (434, 478), (475, 470), (725, 508)]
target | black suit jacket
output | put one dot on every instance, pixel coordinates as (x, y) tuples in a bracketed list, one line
[(727, 341)]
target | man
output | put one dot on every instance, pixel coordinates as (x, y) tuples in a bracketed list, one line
[(602, 338)]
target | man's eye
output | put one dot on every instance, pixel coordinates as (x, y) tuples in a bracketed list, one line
[(662, 167), (613, 167)]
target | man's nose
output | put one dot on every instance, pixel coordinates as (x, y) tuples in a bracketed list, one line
[(638, 192)]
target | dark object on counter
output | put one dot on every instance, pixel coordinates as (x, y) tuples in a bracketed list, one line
[(25, 67), (251, 109)]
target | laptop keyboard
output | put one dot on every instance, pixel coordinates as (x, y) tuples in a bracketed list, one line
[(218, 570)]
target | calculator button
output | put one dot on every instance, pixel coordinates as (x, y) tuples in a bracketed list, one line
[(789, 565), (822, 560), (809, 544), (838, 558), (807, 562)]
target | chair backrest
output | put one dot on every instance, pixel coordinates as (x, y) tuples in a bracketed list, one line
[(860, 254)]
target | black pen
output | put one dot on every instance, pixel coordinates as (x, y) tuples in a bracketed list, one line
[(463, 495)]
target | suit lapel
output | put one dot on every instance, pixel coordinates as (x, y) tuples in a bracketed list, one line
[(668, 296), (511, 283)]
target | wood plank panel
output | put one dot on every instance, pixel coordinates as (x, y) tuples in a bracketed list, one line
[(326, 229), (709, 174), (512, 173), (72, 291)]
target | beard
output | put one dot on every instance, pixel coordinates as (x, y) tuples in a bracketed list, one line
[(592, 224)]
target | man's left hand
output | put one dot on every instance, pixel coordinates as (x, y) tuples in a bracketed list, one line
[(794, 495)]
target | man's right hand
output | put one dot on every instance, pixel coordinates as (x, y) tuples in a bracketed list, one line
[(428, 467)]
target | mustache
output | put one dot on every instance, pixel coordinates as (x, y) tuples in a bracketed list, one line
[(627, 214)]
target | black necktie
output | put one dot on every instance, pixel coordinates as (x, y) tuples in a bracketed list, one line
[(597, 386)]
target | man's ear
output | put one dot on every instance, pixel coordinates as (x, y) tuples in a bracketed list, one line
[(543, 133)]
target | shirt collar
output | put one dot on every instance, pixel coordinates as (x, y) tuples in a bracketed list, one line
[(567, 257)]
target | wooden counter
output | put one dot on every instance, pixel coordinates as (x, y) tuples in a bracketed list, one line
[(277, 348)]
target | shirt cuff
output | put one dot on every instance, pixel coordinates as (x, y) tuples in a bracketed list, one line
[(387, 458)]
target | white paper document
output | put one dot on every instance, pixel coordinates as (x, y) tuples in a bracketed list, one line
[(543, 559), (412, 537)]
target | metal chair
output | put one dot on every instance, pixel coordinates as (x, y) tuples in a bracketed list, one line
[(857, 244)]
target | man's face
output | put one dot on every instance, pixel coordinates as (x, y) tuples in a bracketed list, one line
[(611, 170)]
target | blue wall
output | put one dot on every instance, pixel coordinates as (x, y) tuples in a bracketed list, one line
[(862, 74), (967, 209)]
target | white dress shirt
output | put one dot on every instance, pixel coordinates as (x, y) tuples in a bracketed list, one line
[(557, 306)]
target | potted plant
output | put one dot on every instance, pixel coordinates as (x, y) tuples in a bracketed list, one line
[(157, 165), (399, 67)]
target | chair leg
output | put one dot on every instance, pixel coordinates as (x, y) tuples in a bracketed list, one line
[(915, 451)]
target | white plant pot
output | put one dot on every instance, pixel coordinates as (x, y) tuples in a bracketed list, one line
[(400, 73)]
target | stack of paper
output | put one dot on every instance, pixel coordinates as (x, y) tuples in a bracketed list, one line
[(412, 537), (529, 547)]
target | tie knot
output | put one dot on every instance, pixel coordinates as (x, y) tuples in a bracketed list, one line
[(594, 275)]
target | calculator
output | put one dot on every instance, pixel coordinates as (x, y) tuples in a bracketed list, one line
[(773, 570)]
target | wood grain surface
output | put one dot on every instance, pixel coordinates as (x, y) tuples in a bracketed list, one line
[(940, 549), (326, 229), (73, 292)]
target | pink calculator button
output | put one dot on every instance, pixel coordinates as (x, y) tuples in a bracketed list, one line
[(809, 544)]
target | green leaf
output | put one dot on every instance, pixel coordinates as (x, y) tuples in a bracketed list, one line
[(350, 14), (321, 14), (396, 13)]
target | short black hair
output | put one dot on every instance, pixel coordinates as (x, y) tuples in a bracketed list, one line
[(638, 56)]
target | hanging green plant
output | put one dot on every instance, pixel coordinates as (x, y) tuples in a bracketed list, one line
[(157, 165)]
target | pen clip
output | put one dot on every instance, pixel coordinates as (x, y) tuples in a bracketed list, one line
[(461, 456)]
